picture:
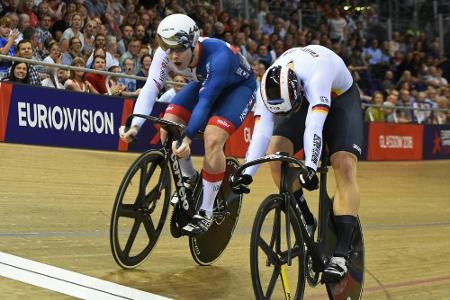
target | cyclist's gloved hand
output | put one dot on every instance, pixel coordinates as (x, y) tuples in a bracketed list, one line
[(309, 179), (128, 136), (239, 184), (182, 149)]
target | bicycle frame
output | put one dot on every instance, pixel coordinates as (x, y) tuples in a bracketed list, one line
[(175, 131), (288, 176)]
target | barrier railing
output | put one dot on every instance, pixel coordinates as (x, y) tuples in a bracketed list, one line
[(66, 67), (364, 105)]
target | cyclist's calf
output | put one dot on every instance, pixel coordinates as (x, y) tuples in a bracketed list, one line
[(347, 191)]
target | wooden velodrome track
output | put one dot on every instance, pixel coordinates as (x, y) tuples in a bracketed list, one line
[(56, 205)]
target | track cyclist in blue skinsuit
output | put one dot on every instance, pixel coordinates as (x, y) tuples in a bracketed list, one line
[(218, 98)]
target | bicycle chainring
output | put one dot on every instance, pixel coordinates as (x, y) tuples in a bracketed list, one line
[(311, 277), (178, 220)]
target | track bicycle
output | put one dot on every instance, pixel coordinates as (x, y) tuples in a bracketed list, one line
[(279, 249), (142, 203)]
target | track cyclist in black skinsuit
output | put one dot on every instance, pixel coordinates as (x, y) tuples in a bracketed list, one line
[(331, 112)]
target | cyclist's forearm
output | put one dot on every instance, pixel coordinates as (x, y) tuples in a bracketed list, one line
[(145, 102), (262, 132), (199, 117), (312, 138)]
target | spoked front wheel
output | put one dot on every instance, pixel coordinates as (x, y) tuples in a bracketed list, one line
[(269, 255), (140, 209), (207, 248)]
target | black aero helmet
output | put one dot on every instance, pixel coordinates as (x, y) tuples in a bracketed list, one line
[(279, 90)]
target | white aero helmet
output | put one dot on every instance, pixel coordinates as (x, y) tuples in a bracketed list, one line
[(279, 90), (176, 32)]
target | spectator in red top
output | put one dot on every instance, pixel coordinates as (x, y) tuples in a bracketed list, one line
[(98, 81), (27, 8)]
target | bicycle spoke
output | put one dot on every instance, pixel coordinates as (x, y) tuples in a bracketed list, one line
[(127, 210), (151, 198), (132, 237), (150, 171), (273, 281), (149, 227), (271, 255), (142, 182)]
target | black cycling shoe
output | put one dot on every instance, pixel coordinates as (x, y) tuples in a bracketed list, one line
[(200, 224)]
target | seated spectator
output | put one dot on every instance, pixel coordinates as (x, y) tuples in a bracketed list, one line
[(76, 81), (388, 83), (38, 53), (129, 83), (24, 49), (127, 35), (74, 51), (258, 69), (264, 56), (55, 54), (169, 94), (375, 114), (358, 65), (111, 47), (90, 30), (134, 47), (76, 23), (18, 73), (422, 116), (7, 38), (43, 32), (441, 117), (100, 42), (389, 112), (373, 53), (405, 99), (251, 55), (113, 86), (434, 77), (98, 81), (97, 52), (56, 79), (146, 61), (27, 7), (23, 25)]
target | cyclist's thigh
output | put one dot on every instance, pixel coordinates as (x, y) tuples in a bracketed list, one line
[(344, 125), (232, 107), (184, 101), (292, 126), (280, 143)]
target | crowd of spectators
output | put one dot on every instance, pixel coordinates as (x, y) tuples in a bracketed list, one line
[(408, 70)]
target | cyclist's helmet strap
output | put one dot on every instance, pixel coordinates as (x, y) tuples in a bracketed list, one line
[(279, 90)]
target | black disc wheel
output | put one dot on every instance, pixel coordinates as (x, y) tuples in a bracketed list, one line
[(208, 247), (272, 276), (351, 286), (140, 209)]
